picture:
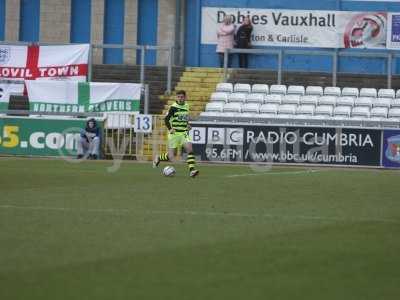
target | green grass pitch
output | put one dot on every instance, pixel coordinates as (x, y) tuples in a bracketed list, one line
[(79, 231)]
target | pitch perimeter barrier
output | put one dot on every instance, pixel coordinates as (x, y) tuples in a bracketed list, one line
[(125, 135), (252, 143), (40, 136), (141, 137), (260, 143)]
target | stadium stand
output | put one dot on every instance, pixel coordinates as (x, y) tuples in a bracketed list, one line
[(279, 89), (309, 99), (351, 92), (242, 88), (293, 104), (332, 91), (386, 93), (260, 88), (394, 113), (273, 98), (305, 110), (237, 97), (219, 96), (368, 92), (345, 101), (314, 90), (395, 103), (363, 101), (224, 87), (342, 111), (255, 98)]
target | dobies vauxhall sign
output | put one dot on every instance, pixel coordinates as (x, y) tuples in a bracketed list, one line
[(302, 28)]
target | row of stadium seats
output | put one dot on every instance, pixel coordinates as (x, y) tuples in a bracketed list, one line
[(282, 89), (256, 110), (304, 99)]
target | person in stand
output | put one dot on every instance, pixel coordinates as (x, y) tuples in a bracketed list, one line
[(225, 39), (89, 141), (243, 40)]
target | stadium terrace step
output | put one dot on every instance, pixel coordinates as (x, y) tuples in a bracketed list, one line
[(204, 79), (190, 85), (207, 70), (18, 103), (198, 83), (201, 74)]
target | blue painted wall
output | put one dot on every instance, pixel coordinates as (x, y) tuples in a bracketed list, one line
[(369, 6), (114, 12), (29, 26), (80, 21), (204, 55), (2, 19), (147, 28), (192, 34)]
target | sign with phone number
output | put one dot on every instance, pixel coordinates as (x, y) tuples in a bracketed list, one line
[(39, 137)]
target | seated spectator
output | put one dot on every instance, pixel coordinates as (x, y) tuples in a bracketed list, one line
[(89, 141)]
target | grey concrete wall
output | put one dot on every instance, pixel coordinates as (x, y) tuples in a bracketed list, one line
[(97, 29), (130, 30), (166, 28), (55, 19), (12, 20)]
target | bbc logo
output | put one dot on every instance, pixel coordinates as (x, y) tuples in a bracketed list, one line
[(217, 135)]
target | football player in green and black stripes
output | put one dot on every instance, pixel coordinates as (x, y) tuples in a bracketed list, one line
[(177, 122)]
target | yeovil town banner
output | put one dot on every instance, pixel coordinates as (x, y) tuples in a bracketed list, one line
[(44, 62), (20, 63), (72, 96), (302, 28)]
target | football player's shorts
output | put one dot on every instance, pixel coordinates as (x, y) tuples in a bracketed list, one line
[(178, 139)]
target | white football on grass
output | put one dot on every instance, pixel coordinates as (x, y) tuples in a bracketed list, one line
[(169, 171)]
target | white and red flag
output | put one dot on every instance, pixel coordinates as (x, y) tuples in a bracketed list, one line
[(44, 62), (20, 63)]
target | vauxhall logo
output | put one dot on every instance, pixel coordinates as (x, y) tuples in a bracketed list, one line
[(217, 136)]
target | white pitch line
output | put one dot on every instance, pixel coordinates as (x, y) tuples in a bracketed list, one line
[(272, 173), (197, 213)]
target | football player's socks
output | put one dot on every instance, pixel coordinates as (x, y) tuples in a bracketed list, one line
[(190, 161), (164, 157)]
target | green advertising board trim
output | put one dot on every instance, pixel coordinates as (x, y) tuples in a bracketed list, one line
[(83, 94), (3, 106), (109, 105)]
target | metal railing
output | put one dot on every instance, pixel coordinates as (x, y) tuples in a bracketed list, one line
[(335, 54), (280, 54), (120, 138), (142, 50)]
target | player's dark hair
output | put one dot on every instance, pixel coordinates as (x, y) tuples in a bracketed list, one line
[(181, 92)]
